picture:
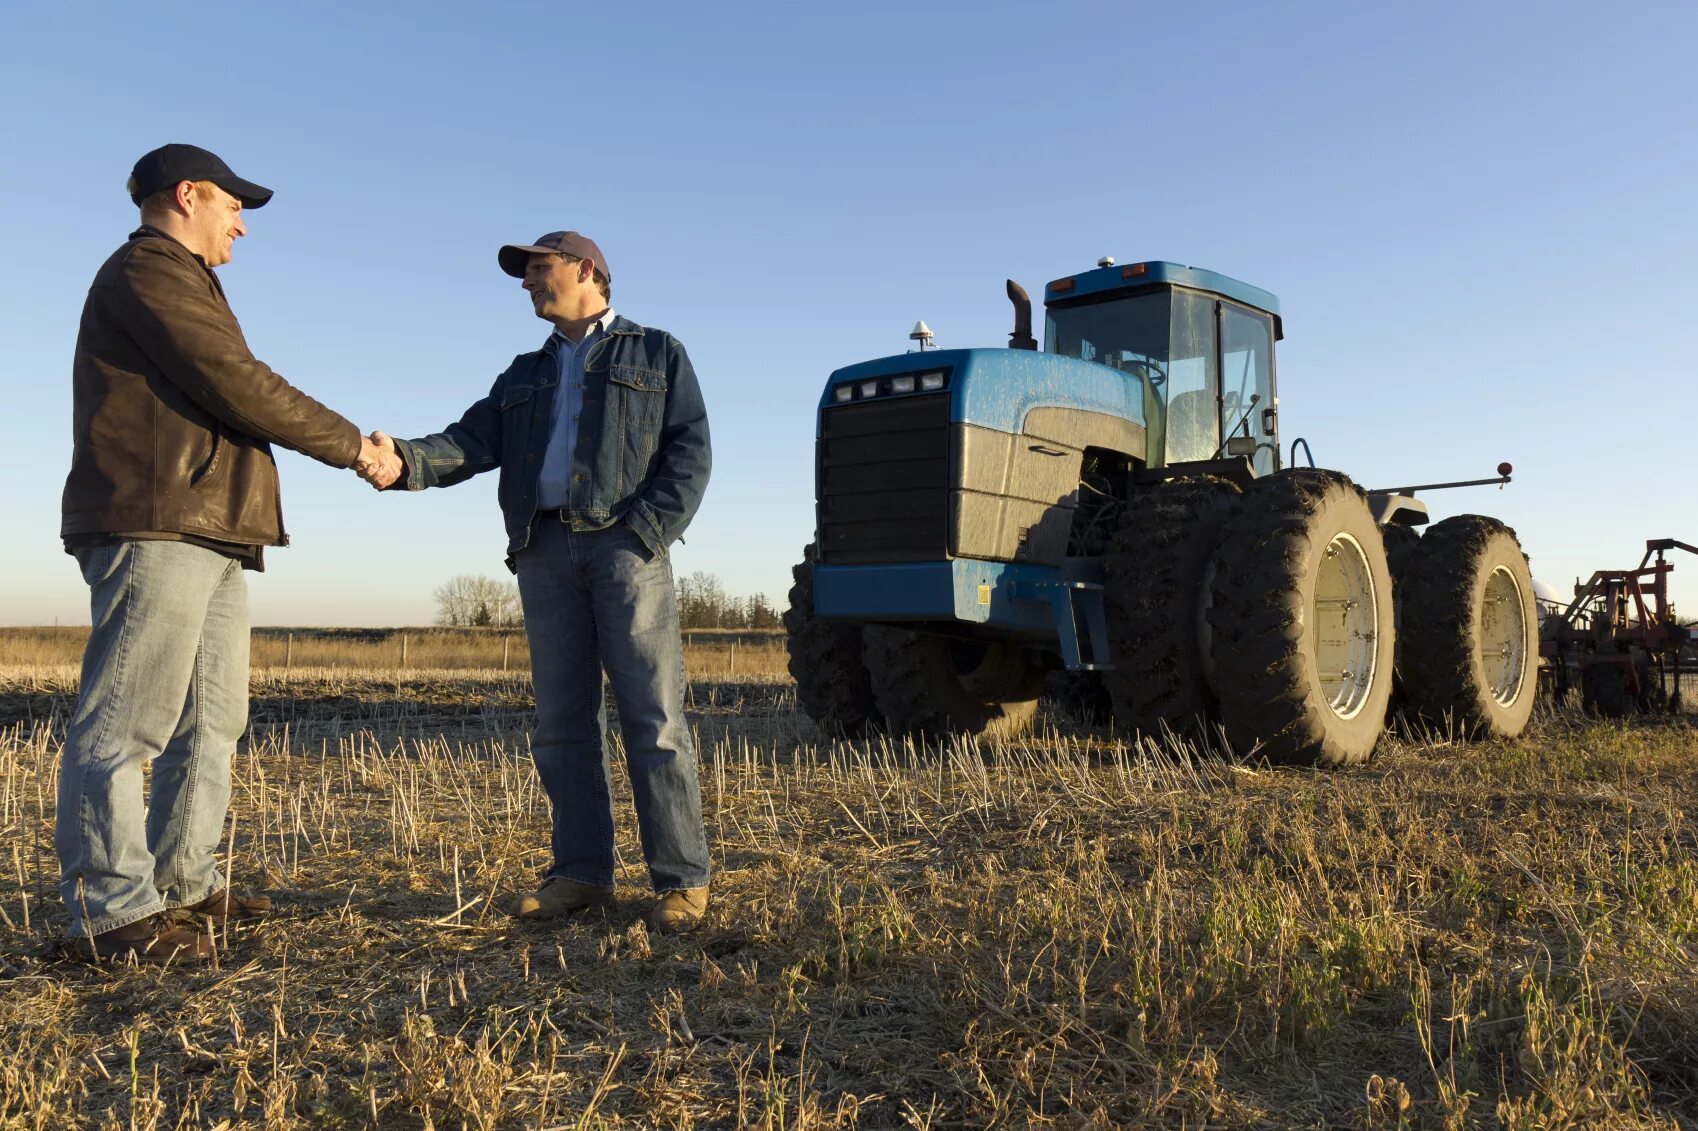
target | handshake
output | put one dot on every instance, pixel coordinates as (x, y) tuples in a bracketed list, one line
[(379, 463)]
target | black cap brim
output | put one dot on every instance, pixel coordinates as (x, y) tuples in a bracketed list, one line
[(250, 194)]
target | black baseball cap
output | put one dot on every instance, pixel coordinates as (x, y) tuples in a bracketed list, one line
[(514, 256), (172, 164)]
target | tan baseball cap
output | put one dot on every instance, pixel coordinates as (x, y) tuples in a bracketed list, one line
[(514, 256)]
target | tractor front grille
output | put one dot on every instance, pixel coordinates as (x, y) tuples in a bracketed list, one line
[(884, 481)]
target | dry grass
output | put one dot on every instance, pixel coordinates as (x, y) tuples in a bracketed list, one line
[(748, 654), (1064, 932)]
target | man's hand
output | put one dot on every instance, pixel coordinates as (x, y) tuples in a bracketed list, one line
[(379, 463)]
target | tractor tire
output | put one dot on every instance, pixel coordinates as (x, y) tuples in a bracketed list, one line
[(832, 684), (1301, 619), (1155, 577), (1401, 543), (927, 685), (1468, 642), (1079, 698), (1604, 691)]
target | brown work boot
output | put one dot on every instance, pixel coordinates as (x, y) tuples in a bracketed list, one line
[(156, 941), (678, 911), (226, 904), (559, 897)]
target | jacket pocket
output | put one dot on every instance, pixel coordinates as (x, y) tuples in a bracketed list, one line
[(636, 407), (517, 407), (636, 377), (204, 471), (516, 396)]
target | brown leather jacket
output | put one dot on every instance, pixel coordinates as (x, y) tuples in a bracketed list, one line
[(173, 416)]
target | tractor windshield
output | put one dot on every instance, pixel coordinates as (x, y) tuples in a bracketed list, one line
[(1165, 340), (1129, 334)]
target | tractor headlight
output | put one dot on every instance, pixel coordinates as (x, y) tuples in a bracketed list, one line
[(869, 388), (902, 384), (843, 393), (930, 381)]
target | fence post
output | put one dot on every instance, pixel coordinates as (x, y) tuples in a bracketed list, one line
[(403, 650), (505, 641), (289, 651), (731, 657)]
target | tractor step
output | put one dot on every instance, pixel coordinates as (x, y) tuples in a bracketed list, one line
[(1075, 605)]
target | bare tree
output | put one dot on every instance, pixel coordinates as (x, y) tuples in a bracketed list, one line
[(701, 601), (476, 600)]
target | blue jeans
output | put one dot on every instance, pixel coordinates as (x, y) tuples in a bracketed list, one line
[(165, 680), (594, 600)]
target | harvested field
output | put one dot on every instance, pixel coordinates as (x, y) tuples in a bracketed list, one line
[(744, 653), (1061, 932)]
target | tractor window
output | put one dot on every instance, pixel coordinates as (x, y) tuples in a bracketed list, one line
[(1192, 426), (1246, 349), (1129, 334), (1124, 332)]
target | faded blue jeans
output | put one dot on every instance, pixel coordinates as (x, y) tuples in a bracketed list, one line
[(165, 681), (594, 600)]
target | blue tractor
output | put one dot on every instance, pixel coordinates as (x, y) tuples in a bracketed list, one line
[(1115, 507)]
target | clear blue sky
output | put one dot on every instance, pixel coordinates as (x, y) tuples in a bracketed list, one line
[(1479, 219)]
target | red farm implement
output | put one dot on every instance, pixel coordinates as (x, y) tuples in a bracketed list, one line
[(1619, 641)]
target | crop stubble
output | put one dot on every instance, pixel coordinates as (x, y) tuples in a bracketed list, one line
[(1064, 931)]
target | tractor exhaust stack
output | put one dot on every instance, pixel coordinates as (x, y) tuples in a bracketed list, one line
[(1021, 338)]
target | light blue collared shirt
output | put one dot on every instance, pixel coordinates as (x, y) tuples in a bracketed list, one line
[(553, 480)]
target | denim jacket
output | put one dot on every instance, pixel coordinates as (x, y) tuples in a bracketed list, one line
[(642, 455)]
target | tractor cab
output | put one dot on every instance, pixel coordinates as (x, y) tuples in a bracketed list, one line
[(1198, 346)]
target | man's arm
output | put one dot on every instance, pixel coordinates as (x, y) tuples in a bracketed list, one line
[(470, 445), (195, 340), (669, 502)]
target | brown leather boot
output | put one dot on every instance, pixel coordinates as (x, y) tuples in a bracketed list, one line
[(155, 941), (226, 904), (678, 911), (559, 897)]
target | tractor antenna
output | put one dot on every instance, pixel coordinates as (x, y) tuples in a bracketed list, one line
[(921, 333)]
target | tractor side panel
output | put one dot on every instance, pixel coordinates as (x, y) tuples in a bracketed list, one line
[(1016, 492), (1015, 497)]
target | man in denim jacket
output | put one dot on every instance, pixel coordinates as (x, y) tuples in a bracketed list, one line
[(602, 442)]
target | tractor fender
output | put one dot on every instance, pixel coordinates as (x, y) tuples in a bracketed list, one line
[(1391, 509)]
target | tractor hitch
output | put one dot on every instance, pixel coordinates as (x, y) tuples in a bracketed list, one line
[(1502, 477)]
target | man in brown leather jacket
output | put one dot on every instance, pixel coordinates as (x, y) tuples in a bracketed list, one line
[(172, 494)]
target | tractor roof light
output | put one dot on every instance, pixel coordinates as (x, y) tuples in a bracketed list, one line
[(843, 392), (930, 381)]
